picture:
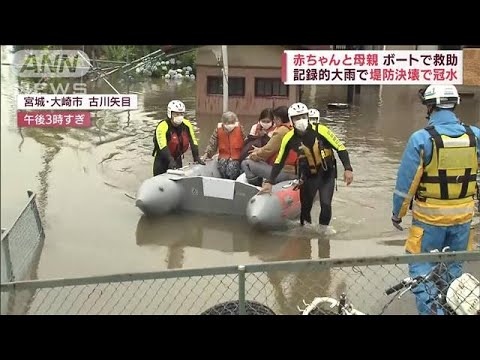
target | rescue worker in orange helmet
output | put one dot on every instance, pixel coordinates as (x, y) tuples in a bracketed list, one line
[(228, 138), (173, 136)]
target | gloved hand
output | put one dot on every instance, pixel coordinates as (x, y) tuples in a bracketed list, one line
[(396, 222), (298, 184), (199, 161), (266, 188), (172, 164)]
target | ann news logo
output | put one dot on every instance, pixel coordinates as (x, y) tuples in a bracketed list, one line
[(51, 63)]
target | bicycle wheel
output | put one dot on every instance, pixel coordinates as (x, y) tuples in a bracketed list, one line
[(322, 310), (232, 308)]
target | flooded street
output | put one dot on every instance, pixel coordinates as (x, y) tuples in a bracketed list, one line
[(81, 177)]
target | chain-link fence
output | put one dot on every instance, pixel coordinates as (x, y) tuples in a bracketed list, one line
[(20, 243), (267, 288), (20, 250)]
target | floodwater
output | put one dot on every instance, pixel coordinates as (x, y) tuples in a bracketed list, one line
[(81, 178)]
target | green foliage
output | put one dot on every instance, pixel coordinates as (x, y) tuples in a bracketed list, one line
[(169, 67), (119, 52), (188, 59)]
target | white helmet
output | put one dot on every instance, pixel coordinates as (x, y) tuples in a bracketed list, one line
[(175, 106), (314, 113), (297, 109), (441, 96)]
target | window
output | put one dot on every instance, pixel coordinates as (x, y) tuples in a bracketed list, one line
[(236, 86), (270, 87)]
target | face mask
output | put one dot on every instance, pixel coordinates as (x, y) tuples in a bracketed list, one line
[(229, 127), (177, 120), (301, 125), (266, 126)]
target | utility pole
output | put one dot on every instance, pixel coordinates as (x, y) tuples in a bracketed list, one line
[(225, 77)]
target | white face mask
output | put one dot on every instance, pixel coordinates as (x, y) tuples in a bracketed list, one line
[(301, 125), (266, 126), (177, 120), (229, 127)]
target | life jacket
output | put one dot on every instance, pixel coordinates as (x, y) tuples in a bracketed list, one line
[(318, 157), (230, 144), (292, 156), (449, 180), (257, 128), (177, 145)]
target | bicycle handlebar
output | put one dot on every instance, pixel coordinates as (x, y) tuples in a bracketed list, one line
[(404, 283), (412, 283), (395, 288)]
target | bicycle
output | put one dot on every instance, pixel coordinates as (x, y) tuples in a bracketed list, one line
[(458, 297)]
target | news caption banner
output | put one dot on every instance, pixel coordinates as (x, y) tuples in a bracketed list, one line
[(372, 67), (53, 110)]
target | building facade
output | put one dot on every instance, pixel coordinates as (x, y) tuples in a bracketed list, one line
[(255, 76), (254, 80)]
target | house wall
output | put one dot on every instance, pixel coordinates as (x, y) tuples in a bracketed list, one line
[(243, 61), (243, 55), (242, 105), (471, 67)]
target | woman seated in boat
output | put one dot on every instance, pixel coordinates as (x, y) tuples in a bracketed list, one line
[(258, 164), (260, 133), (228, 138)]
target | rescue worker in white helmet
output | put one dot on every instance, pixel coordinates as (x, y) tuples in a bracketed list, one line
[(315, 150), (437, 179), (173, 136), (314, 117)]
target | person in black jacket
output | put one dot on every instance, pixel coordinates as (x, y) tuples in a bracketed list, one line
[(317, 165)]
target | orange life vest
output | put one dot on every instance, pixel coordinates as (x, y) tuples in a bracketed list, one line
[(230, 144)]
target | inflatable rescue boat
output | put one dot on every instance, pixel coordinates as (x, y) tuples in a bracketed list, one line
[(199, 188)]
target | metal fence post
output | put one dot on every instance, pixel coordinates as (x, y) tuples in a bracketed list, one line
[(8, 259), (36, 214), (241, 289)]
